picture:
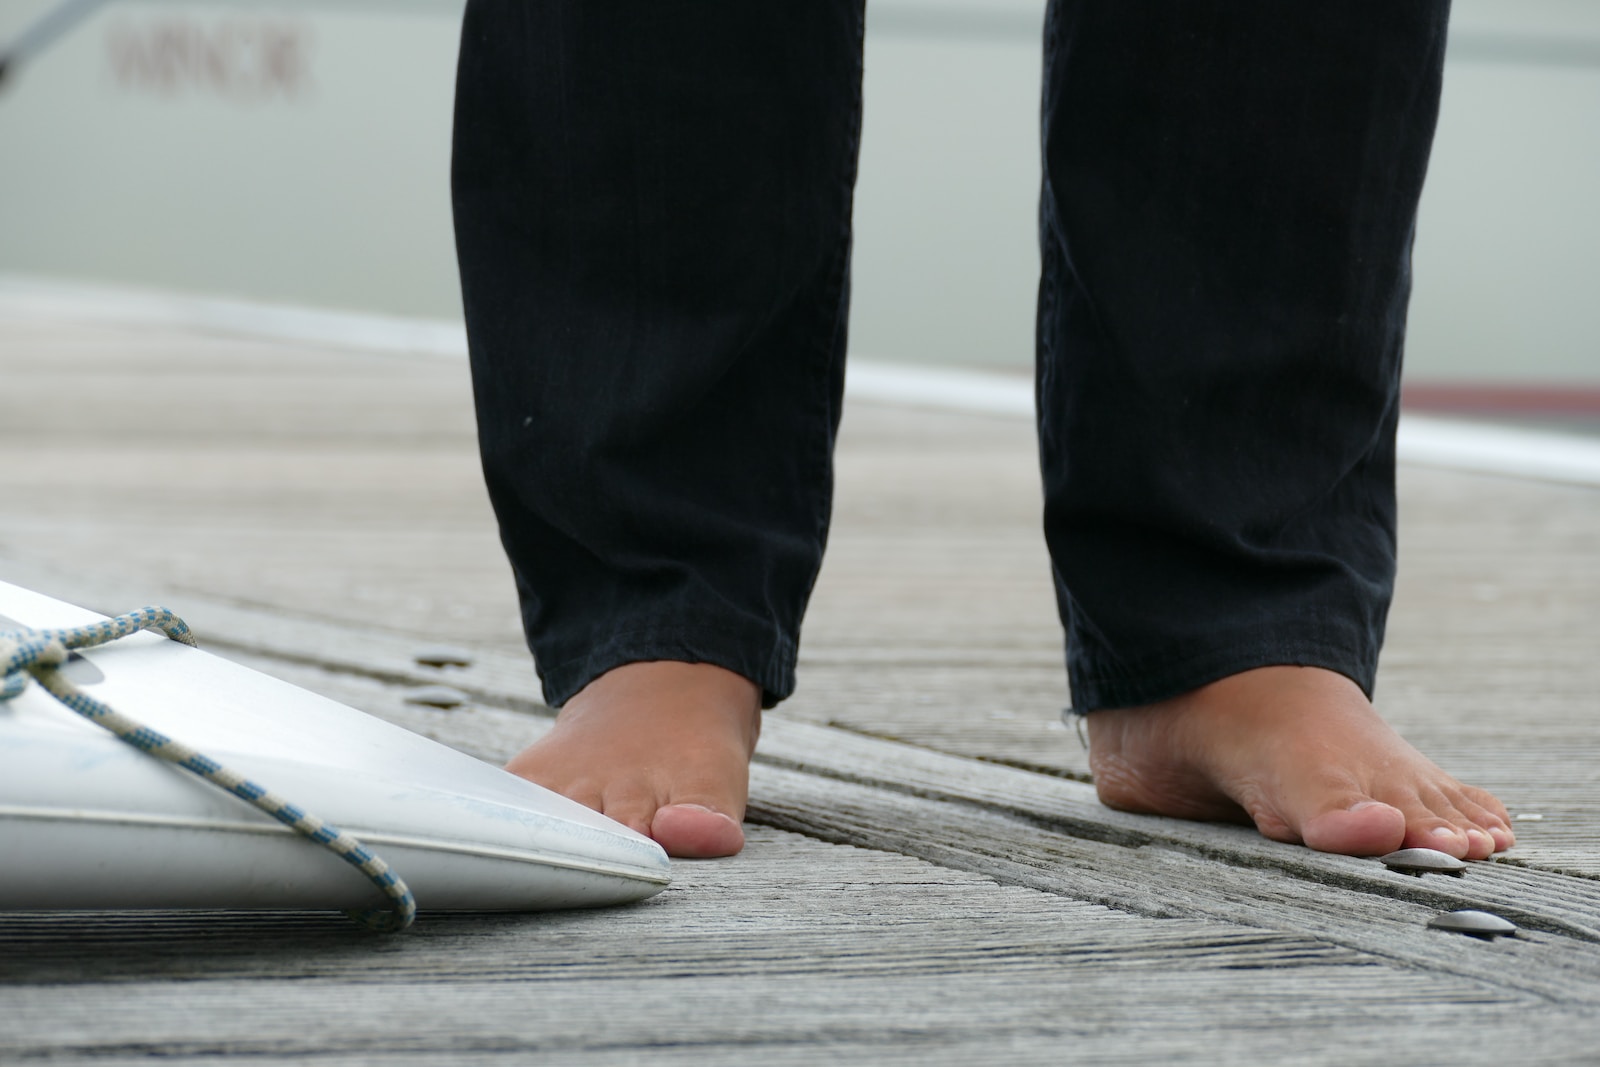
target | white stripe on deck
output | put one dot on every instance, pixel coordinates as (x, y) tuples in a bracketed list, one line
[(1424, 440), (1429, 441)]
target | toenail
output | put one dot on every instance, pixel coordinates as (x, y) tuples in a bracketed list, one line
[(1358, 805), (702, 807), (1445, 831)]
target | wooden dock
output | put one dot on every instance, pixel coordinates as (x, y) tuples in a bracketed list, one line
[(929, 878)]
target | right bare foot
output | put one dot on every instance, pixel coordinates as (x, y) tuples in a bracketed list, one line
[(1301, 753), (661, 747)]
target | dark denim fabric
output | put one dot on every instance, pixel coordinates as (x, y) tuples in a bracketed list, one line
[(1230, 194), (652, 203)]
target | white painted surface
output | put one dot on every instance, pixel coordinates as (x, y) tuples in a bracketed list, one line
[(1428, 441), (117, 305)]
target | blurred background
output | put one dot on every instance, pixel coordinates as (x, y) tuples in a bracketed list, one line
[(297, 152)]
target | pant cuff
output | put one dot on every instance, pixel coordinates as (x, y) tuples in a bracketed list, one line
[(1123, 685), (767, 659)]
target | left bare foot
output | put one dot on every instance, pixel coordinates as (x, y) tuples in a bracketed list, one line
[(662, 747), (1301, 753)]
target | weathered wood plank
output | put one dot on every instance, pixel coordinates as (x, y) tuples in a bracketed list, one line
[(1051, 835), (956, 832), (1161, 881), (797, 952), (503, 680), (1535, 898)]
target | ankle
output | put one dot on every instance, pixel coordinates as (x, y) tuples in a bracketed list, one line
[(698, 696)]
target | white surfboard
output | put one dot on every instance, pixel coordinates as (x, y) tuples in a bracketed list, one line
[(87, 821)]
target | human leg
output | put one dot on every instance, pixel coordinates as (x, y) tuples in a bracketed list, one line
[(1229, 202), (652, 210)]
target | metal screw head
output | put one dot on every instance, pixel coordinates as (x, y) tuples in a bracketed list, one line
[(442, 656), (1473, 923), (436, 696), (1421, 861)]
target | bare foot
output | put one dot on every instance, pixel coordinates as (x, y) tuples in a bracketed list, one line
[(1300, 752), (661, 747)]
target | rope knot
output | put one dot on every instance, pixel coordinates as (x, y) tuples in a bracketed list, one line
[(25, 653)]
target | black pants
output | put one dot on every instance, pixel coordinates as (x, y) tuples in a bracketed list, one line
[(652, 203)]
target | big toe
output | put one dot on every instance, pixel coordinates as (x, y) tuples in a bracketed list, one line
[(693, 831), (1361, 828)]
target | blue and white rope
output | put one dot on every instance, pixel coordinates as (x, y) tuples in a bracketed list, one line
[(39, 654)]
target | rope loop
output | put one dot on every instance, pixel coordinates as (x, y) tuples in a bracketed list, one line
[(39, 654)]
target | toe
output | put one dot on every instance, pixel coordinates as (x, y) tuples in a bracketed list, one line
[(1438, 834), (1360, 826), (1488, 801), (1444, 826), (1485, 809), (1503, 837), (694, 831), (638, 822), (633, 807), (1480, 844), (1487, 833)]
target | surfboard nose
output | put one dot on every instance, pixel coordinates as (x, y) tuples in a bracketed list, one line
[(88, 822)]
